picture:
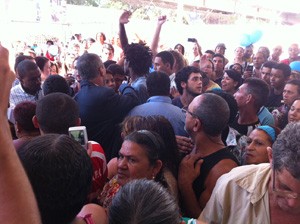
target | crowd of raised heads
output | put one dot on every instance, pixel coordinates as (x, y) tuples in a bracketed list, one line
[(101, 130)]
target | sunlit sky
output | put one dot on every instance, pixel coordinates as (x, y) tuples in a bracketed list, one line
[(79, 20)]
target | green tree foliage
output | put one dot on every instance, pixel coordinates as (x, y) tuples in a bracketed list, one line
[(94, 3)]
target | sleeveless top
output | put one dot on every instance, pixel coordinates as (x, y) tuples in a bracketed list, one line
[(208, 163)]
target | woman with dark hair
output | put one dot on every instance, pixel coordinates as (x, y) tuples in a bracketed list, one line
[(44, 65), (231, 81), (163, 127), (142, 155), (179, 48), (54, 69)]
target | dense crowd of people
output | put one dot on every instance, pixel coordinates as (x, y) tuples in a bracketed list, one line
[(172, 138)]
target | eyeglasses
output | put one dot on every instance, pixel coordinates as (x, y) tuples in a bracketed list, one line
[(283, 193), (191, 113)]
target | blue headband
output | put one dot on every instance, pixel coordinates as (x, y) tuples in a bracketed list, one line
[(269, 130)]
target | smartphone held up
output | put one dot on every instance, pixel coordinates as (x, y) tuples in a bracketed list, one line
[(79, 134), (192, 40)]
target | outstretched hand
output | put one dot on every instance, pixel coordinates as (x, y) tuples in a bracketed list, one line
[(7, 77), (124, 18)]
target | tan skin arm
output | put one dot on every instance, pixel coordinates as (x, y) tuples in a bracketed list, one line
[(224, 166), (17, 201), (199, 48), (154, 44)]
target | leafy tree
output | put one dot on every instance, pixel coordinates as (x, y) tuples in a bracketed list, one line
[(94, 3)]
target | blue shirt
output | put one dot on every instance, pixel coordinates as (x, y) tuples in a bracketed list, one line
[(265, 117), (140, 87), (162, 105)]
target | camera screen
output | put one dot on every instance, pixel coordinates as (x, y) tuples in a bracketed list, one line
[(78, 136)]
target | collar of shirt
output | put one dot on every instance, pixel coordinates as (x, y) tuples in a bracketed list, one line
[(163, 99), (172, 77), (250, 181)]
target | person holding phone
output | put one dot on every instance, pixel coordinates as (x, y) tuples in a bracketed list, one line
[(56, 113), (196, 50)]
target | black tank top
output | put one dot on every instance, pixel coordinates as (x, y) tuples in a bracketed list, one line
[(209, 162)]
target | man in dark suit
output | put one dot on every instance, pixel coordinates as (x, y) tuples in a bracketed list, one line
[(101, 109)]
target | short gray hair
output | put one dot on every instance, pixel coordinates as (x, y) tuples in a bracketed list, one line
[(286, 150), (143, 201), (88, 66), (213, 111)]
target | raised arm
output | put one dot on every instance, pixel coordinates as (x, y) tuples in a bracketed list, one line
[(199, 48), (154, 44), (124, 19), (17, 201)]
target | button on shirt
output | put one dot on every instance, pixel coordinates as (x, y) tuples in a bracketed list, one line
[(17, 95), (240, 196)]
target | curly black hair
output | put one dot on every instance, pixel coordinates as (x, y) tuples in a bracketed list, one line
[(139, 58)]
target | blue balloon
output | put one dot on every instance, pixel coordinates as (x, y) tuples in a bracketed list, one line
[(245, 41), (255, 36), (295, 66)]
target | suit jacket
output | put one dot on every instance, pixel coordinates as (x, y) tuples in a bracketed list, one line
[(101, 111)]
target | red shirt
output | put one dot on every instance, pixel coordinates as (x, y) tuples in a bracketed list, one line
[(99, 167)]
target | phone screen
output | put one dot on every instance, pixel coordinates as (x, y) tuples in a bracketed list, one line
[(78, 135), (249, 68)]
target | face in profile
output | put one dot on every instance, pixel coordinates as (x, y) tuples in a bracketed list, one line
[(133, 163), (160, 66), (256, 149), (294, 112)]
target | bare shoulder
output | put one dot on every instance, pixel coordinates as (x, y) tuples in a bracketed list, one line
[(98, 213), (222, 167)]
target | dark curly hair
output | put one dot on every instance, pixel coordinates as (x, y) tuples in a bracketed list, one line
[(139, 58)]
